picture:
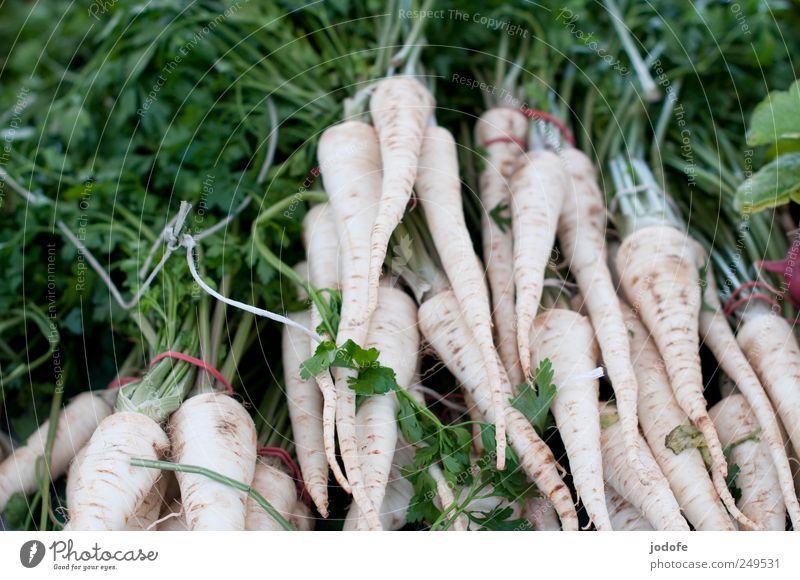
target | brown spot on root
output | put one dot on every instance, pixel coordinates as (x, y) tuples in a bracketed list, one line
[(226, 428)]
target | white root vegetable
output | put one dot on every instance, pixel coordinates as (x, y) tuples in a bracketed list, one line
[(770, 345), (567, 339), (761, 499), (719, 338), (74, 478), (582, 232), (659, 415), (110, 490), (400, 108), (350, 160), (214, 431), (399, 492), (278, 489), (439, 190), (442, 325), (76, 423), (625, 517), (319, 231), (655, 501), (538, 189), (146, 512), (301, 518), (393, 332), (657, 267), (304, 401), (500, 131), (541, 514)]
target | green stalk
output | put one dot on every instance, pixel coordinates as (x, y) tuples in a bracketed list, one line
[(640, 200), (218, 320), (268, 215), (44, 461), (649, 86), (32, 311), (219, 478), (240, 342), (420, 271), (204, 334), (403, 57), (615, 125)]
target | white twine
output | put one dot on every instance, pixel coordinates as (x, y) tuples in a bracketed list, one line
[(159, 521), (592, 375), (173, 243), (152, 253)]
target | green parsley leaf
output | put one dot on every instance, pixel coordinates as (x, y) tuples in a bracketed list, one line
[(499, 519), (535, 403), (376, 380), (323, 358), (733, 474), (499, 214)]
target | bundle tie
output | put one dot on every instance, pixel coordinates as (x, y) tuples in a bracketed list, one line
[(201, 364), (287, 460), (517, 140), (732, 303), (731, 308), (187, 241), (544, 116)]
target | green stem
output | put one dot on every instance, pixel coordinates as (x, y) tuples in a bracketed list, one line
[(271, 213), (240, 341), (651, 91), (218, 320), (33, 312), (45, 481), (402, 57), (219, 478), (457, 508)]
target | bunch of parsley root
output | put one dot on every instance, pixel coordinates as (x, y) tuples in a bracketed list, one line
[(415, 265)]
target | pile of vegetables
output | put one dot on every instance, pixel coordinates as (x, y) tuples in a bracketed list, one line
[(271, 268)]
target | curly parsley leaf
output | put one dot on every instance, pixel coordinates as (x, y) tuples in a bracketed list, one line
[(371, 379), (534, 400), (511, 483), (421, 507), (499, 519)]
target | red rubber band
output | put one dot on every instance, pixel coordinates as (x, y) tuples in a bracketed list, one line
[(730, 308), (284, 456), (196, 362), (732, 303), (517, 140), (536, 114), (754, 284), (122, 381)]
